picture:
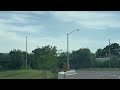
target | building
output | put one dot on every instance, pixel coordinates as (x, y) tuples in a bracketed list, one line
[(103, 59), (106, 58)]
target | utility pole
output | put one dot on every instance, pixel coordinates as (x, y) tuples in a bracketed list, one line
[(26, 52), (109, 53), (68, 52), (68, 64)]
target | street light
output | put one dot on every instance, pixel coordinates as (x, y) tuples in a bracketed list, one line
[(109, 53), (26, 52), (68, 48)]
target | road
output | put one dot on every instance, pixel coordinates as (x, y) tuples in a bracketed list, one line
[(98, 75)]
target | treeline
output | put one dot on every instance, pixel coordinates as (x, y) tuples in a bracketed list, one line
[(114, 56), (48, 58)]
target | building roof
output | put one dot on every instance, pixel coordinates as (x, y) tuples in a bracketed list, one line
[(103, 59)]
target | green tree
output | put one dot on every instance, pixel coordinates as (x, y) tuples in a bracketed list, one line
[(100, 64), (17, 59), (93, 60), (62, 58), (80, 58), (99, 53), (30, 59), (114, 50), (4, 61), (45, 58), (115, 62)]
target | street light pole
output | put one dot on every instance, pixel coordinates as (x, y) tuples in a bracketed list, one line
[(68, 52), (68, 48), (109, 53), (26, 52)]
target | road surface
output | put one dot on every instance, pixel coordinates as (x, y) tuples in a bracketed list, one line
[(98, 75)]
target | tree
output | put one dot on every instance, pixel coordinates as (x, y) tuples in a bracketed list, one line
[(80, 58), (114, 50), (99, 53), (45, 58), (115, 62), (30, 59), (62, 58), (4, 60), (17, 59), (93, 60)]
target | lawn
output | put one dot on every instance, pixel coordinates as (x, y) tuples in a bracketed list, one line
[(25, 74)]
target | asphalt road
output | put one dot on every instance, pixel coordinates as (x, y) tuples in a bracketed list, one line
[(98, 75)]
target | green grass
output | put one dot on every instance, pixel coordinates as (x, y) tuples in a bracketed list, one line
[(26, 74)]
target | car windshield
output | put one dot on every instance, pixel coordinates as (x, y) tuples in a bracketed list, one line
[(59, 45)]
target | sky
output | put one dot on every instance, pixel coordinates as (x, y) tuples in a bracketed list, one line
[(51, 27)]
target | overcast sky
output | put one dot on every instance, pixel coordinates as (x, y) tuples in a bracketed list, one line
[(50, 28)]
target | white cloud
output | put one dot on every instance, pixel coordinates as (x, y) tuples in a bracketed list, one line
[(95, 20), (74, 44), (28, 28), (11, 27), (18, 18), (7, 35), (79, 15), (20, 21), (15, 18), (25, 28), (30, 12), (19, 43), (92, 44), (21, 17)]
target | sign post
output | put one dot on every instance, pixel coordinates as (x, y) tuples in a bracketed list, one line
[(65, 74), (65, 68)]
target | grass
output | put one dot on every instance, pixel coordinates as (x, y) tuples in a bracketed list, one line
[(26, 74)]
